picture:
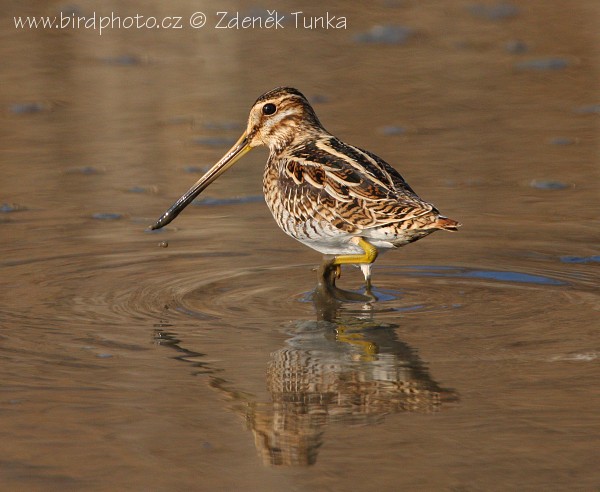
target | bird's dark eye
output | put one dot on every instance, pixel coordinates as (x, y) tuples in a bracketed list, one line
[(269, 109)]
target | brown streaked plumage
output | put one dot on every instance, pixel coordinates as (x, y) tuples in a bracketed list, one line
[(335, 198)]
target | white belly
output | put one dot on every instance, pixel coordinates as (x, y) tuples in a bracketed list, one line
[(341, 245), (322, 236)]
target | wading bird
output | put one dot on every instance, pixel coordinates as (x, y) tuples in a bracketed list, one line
[(340, 200)]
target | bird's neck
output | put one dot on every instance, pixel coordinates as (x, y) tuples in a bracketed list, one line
[(297, 139)]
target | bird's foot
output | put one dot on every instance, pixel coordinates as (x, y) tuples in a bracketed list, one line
[(369, 290), (329, 272)]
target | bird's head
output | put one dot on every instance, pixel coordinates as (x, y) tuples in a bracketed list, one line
[(277, 119)]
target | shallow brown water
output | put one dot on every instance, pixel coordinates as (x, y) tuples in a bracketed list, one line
[(210, 364)]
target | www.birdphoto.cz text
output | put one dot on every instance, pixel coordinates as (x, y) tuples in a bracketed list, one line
[(269, 20)]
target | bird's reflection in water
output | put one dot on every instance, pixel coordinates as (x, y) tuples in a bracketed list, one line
[(342, 367)]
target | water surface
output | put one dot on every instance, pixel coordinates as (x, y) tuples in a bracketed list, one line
[(209, 363)]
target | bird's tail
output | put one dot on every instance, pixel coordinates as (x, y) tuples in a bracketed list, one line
[(447, 224)]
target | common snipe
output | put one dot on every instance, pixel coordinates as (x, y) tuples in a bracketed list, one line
[(333, 197)]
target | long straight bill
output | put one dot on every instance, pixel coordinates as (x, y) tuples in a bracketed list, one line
[(240, 149)]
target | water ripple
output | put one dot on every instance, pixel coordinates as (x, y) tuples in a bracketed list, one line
[(124, 288)]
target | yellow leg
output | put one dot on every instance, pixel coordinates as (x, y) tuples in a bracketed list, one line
[(331, 270), (369, 255)]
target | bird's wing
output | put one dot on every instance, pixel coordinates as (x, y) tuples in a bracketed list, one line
[(348, 187)]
